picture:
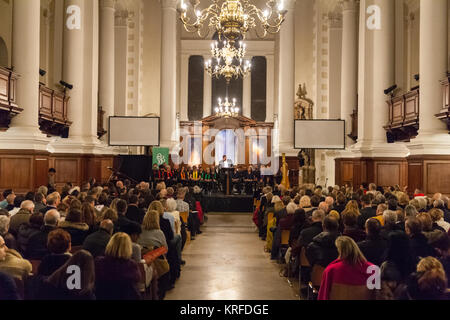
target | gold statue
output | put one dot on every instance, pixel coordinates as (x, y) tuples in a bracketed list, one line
[(285, 172)]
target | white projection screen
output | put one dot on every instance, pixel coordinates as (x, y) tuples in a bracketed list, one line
[(319, 134), (133, 131)]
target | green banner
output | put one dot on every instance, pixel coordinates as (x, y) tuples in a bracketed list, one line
[(160, 156)]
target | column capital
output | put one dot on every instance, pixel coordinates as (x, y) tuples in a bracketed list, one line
[(349, 5), (110, 4), (121, 18), (334, 19), (169, 4)]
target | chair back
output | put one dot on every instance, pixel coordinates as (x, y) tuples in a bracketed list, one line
[(184, 216), (303, 260), (285, 237), (349, 292), (35, 266), (316, 275)]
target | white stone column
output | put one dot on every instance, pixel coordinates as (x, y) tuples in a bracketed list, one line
[(207, 94), (376, 73), (247, 95), (184, 95), (121, 62), (349, 75), (168, 73), (286, 84), (106, 60), (334, 65), (433, 135), (24, 130), (270, 86)]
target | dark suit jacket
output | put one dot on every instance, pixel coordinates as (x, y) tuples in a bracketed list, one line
[(164, 224), (37, 244), (366, 214), (374, 249), (308, 234), (135, 214), (96, 242), (420, 246)]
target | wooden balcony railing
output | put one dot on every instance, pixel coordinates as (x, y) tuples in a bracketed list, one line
[(100, 130), (444, 114), (403, 122), (8, 105), (53, 118)]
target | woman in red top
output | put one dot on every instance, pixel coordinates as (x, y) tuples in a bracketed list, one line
[(350, 268)]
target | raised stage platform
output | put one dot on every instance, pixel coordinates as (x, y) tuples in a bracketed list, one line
[(218, 202)]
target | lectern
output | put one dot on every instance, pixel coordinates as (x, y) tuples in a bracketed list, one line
[(226, 173)]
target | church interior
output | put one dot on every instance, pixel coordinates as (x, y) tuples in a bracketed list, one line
[(227, 86)]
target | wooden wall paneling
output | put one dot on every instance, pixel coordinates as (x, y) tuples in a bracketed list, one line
[(41, 166), (68, 170), (436, 177), (104, 171), (388, 174), (415, 176), (16, 172)]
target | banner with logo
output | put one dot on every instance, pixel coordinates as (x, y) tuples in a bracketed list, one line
[(160, 156)]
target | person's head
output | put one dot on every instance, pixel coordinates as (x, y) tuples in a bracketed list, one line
[(366, 200), (51, 218), (422, 203), (389, 217), (18, 201), (379, 199), (134, 230), (392, 204), (87, 214), (323, 206), (224, 157), (330, 224), (291, 207), (121, 206), (39, 198), (381, 208), (317, 216), (27, 205), (437, 196), (340, 198), (36, 220), (151, 220), (52, 171), (410, 211), (413, 226), (84, 260), (4, 212), (425, 221), (439, 204), (10, 199), (107, 225), (43, 190), (403, 199), (432, 279), (436, 214), (110, 214), (119, 246), (74, 215), (59, 241), (315, 201), (171, 205), (329, 201), (3, 249), (181, 194), (373, 227), (119, 184), (4, 225), (53, 199), (278, 205), (157, 206), (305, 202), (349, 218), (349, 251), (372, 187), (335, 214), (442, 245)]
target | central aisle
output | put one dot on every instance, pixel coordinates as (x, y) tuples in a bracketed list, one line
[(227, 262)]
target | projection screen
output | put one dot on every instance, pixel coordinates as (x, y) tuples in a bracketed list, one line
[(319, 134), (133, 131)]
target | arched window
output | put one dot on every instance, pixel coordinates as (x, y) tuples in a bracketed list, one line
[(259, 88), (3, 53), (195, 88)]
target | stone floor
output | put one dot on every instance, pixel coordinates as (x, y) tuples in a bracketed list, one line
[(227, 262)]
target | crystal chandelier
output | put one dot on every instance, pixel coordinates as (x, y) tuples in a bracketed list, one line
[(227, 108), (232, 19), (227, 61)]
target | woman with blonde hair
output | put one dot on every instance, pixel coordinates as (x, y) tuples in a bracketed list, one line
[(151, 235), (429, 282), (117, 275), (305, 203), (349, 269)]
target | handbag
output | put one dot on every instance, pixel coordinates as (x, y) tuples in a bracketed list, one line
[(162, 266)]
